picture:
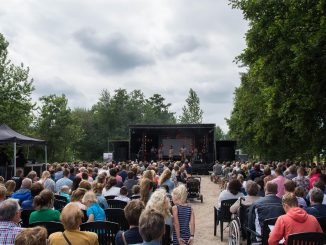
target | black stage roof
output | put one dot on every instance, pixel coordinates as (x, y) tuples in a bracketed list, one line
[(158, 126)]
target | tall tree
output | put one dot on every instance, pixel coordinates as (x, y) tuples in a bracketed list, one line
[(192, 113), (280, 106), (56, 126), (15, 92)]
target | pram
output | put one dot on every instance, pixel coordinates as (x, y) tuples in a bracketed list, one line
[(193, 187)]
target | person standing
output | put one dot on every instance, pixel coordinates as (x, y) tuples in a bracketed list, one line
[(4, 161), (20, 159), (171, 152)]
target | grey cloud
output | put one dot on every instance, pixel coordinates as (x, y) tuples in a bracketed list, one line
[(181, 44), (115, 54)]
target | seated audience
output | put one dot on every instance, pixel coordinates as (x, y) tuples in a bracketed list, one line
[(24, 193), (35, 190), (123, 196), (64, 192), (314, 176), (77, 197), (32, 236), (301, 180), (11, 186), (47, 182), (71, 218), (289, 187), (43, 203), (85, 185), (111, 188), (135, 192), (165, 179), (233, 192), (132, 212), (97, 189), (94, 211), (3, 191), (267, 175), (252, 191), (130, 182), (269, 206), (151, 227), (9, 219), (316, 209), (63, 181), (295, 220), (279, 180), (146, 189), (255, 172)]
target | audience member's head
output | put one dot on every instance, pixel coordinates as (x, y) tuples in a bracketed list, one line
[(123, 191), (289, 200), (151, 225), (271, 188), (85, 185), (10, 211), (97, 187), (316, 196), (36, 189), (44, 200), (289, 186), (11, 186), (133, 211), (299, 191), (234, 186), (26, 183), (160, 202), (135, 190), (71, 216), (32, 236), (77, 195), (89, 198), (179, 194), (320, 184), (3, 192), (252, 188)]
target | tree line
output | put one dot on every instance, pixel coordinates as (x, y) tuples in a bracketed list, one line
[(81, 133), (280, 106)]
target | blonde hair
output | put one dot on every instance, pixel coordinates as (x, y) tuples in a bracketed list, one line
[(10, 185), (180, 193), (46, 174), (164, 176), (146, 185), (32, 236), (160, 202), (149, 175), (89, 197), (97, 187), (78, 194), (3, 191), (71, 216)]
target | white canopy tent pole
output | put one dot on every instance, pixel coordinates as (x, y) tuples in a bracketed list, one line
[(14, 158)]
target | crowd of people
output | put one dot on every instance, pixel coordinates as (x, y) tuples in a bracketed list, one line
[(293, 192), (148, 189)]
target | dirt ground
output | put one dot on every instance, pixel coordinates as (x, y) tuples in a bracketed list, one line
[(204, 215)]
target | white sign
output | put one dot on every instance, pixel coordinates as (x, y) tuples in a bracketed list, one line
[(107, 156)]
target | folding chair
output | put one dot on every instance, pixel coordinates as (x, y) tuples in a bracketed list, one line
[(117, 215), (307, 238), (105, 231), (50, 226)]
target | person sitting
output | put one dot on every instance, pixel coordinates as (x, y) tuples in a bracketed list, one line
[(295, 220), (63, 181), (32, 236), (43, 203), (255, 172), (18, 178), (130, 182), (24, 193), (301, 180), (71, 218), (279, 180), (135, 192), (47, 182), (11, 186), (165, 179), (132, 212), (217, 172), (252, 191), (316, 209), (111, 188), (35, 190), (9, 219), (3, 191), (97, 189), (123, 195), (269, 206), (233, 192), (77, 197), (151, 227), (94, 211), (289, 187), (64, 192)]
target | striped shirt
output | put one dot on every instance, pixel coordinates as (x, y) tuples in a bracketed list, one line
[(8, 232), (184, 214)]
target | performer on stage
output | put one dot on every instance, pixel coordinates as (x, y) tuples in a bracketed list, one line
[(160, 152), (182, 152), (195, 155), (171, 151)]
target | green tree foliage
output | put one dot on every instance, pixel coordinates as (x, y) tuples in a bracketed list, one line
[(280, 106), (55, 125), (219, 134), (191, 113), (15, 92)]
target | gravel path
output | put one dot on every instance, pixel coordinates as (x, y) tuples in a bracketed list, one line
[(204, 215)]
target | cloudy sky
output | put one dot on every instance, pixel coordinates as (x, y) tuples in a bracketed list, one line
[(80, 47)]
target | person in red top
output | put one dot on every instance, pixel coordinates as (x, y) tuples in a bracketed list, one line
[(314, 175), (295, 220)]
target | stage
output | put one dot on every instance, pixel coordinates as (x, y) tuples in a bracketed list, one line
[(192, 142)]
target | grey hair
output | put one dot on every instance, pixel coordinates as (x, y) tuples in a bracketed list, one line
[(8, 209)]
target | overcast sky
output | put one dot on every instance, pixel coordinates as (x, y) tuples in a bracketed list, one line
[(80, 47)]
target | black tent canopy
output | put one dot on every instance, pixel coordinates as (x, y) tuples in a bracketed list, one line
[(7, 135)]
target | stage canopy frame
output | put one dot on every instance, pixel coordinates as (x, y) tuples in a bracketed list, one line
[(8, 135)]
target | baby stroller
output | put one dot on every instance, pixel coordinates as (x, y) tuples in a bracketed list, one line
[(193, 187)]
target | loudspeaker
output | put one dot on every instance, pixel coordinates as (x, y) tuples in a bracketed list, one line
[(225, 150)]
